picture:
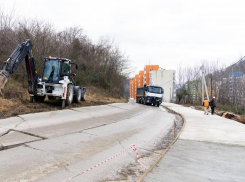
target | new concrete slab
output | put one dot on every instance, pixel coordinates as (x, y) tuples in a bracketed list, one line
[(210, 148), (191, 161), (209, 128)]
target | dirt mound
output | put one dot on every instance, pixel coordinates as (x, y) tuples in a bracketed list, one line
[(225, 114), (240, 119)]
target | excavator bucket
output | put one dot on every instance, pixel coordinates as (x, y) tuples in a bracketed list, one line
[(3, 81)]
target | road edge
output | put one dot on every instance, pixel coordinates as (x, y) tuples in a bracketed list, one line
[(166, 150)]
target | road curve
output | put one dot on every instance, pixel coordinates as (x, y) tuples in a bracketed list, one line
[(60, 145)]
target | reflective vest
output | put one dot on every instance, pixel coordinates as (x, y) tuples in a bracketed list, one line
[(206, 104)]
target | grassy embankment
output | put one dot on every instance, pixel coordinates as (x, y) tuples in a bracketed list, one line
[(17, 102)]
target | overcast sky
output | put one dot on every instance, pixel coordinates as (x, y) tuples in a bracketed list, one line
[(168, 33)]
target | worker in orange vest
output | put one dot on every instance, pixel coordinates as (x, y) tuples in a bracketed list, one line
[(205, 105)]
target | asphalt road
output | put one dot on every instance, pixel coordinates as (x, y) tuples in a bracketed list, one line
[(60, 145)]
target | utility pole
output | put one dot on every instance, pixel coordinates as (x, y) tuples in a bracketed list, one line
[(204, 85), (211, 85), (170, 96), (233, 89)]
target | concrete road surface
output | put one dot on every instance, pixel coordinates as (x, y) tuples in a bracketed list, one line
[(62, 145), (210, 148)]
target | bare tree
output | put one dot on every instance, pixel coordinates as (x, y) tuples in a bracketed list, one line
[(101, 64)]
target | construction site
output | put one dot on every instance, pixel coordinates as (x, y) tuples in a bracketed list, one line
[(80, 103)]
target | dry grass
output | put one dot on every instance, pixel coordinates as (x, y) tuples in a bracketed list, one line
[(5, 104), (240, 119), (16, 101)]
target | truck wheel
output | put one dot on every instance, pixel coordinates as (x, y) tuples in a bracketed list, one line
[(51, 97), (154, 104), (78, 96), (137, 101), (158, 105), (38, 98), (145, 102), (69, 94)]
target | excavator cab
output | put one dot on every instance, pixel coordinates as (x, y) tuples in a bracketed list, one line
[(55, 69)]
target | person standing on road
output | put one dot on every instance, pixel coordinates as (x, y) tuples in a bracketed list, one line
[(212, 105), (205, 105)]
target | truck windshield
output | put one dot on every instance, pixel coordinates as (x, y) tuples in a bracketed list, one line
[(157, 90), (51, 68)]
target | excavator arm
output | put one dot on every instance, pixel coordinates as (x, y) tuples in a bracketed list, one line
[(23, 51)]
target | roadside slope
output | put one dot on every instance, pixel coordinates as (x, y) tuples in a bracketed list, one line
[(17, 100)]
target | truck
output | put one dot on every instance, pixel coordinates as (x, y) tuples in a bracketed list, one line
[(149, 95), (57, 80)]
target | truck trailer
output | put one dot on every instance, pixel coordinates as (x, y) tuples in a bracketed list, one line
[(149, 95)]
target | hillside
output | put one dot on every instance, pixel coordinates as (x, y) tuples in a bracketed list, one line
[(16, 101)]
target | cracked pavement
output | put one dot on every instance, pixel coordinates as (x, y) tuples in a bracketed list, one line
[(57, 145)]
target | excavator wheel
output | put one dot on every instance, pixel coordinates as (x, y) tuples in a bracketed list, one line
[(83, 97), (69, 95), (78, 96)]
